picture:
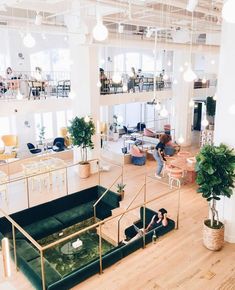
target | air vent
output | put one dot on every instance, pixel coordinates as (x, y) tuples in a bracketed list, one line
[(3, 23)]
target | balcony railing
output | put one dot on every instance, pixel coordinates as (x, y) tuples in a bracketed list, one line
[(30, 85)]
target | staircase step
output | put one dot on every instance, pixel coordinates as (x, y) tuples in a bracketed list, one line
[(110, 228)]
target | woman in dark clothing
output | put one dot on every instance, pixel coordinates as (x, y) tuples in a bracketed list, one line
[(158, 154)]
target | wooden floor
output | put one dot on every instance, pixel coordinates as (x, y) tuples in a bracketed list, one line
[(177, 261)]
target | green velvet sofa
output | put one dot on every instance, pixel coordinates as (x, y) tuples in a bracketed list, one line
[(51, 213)]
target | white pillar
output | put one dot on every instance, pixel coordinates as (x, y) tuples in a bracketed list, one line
[(182, 93), (84, 78), (225, 117)]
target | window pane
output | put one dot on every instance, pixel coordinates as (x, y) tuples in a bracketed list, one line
[(132, 60), (47, 122), (38, 125), (147, 63), (60, 117)]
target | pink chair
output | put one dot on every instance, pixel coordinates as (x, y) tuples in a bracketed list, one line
[(175, 174)]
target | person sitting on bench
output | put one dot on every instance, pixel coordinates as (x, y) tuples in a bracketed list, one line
[(157, 221)]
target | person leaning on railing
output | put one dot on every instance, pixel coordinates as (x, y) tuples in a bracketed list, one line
[(131, 82)]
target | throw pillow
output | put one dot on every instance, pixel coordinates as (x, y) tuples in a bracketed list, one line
[(149, 133), (135, 151)]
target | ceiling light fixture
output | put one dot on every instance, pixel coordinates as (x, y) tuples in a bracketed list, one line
[(228, 11), (29, 41), (181, 140), (87, 119), (163, 112), (191, 103), (100, 31), (158, 106), (38, 19), (116, 78), (205, 122), (191, 5), (120, 28), (98, 84)]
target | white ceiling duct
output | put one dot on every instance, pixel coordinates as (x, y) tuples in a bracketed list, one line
[(191, 5)]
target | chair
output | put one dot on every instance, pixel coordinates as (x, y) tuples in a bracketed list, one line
[(58, 144), (32, 148), (127, 131), (10, 147), (64, 134), (140, 126)]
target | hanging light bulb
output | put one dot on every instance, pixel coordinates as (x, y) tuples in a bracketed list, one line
[(163, 112), (98, 84), (38, 19), (149, 32), (19, 96), (169, 63), (87, 119), (119, 119), (228, 11), (158, 106), (189, 75), (205, 122), (100, 31), (28, 40), (186, 63), (204, 80), (191, 103), (212, 61), (181, 69), (165, 77), (120, 28), (116, 78), (124, 88), (175, 82), (181, 139), (43, 36), (215, 97), (65, 38)]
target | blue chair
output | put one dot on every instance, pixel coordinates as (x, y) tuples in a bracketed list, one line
[(58, 144), (32, 149), (138, 160)]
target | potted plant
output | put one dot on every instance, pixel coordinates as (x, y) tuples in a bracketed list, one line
[(41, 135), (81, 132), (120, 189), (215, 176)]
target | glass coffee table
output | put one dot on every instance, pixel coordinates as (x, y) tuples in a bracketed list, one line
[(68, 249)]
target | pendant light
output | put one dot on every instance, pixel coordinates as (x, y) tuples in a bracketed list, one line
[(158, 106), (191, 103), (29, 41), (116, 78), (189, 75), (19, 96), (87, 119), (164, 112), (205, 122), (181, 139), (228, 12), (100, 31), (98, 84), (38, 19)]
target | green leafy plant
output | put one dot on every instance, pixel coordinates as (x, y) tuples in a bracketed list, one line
[(215, 176), (42, 132), (81, 133), (120, 187), (210, 106)]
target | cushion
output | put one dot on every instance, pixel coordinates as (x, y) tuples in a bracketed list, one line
[(149, 133), (135, 151), (26, 251)]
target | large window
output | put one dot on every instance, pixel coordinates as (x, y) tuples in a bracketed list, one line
[(132, 60), (63, 118), (44, 120), (4, 128)]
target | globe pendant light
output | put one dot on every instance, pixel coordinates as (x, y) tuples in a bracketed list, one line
[(98, 84), (124, 88), (158, 106), (181, 139), (116, 78), (189, 75), (228, 12), (164, 112), (38, 19), (100, 31), (87, 119), (205, 122), (28, 40), (165, 77)]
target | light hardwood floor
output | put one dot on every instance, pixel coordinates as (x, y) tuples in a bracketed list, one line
[(177, 261)]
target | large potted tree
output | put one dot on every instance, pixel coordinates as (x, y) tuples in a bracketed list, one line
[(215, 176), (81, 132)]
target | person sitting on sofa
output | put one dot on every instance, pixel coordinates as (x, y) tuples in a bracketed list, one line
[(159, 220)]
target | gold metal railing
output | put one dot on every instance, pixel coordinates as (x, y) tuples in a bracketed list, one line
[(75, 234)]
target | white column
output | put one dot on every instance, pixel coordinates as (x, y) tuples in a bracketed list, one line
[(182, 93), (225, 117), (84, 78)]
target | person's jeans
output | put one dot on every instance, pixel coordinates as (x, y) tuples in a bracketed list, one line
[(159, 162)]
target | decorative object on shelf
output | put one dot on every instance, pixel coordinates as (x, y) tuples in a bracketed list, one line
[(215, 176), (120, 189), (81, 133), (206, 138)]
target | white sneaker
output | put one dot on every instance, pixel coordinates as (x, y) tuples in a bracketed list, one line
[(157, 176)]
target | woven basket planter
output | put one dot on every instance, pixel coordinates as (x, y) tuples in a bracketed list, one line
[(213, 239), (84, 170)]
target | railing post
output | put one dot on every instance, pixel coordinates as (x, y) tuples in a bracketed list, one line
[(118, 231), (66, 181), (144, 209), (27, 189), (42, 271), (100, 248), (14, 246), (98, 163), (178, 210), (122, 175)]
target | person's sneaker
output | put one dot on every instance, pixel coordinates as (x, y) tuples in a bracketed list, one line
[(157, 176)]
